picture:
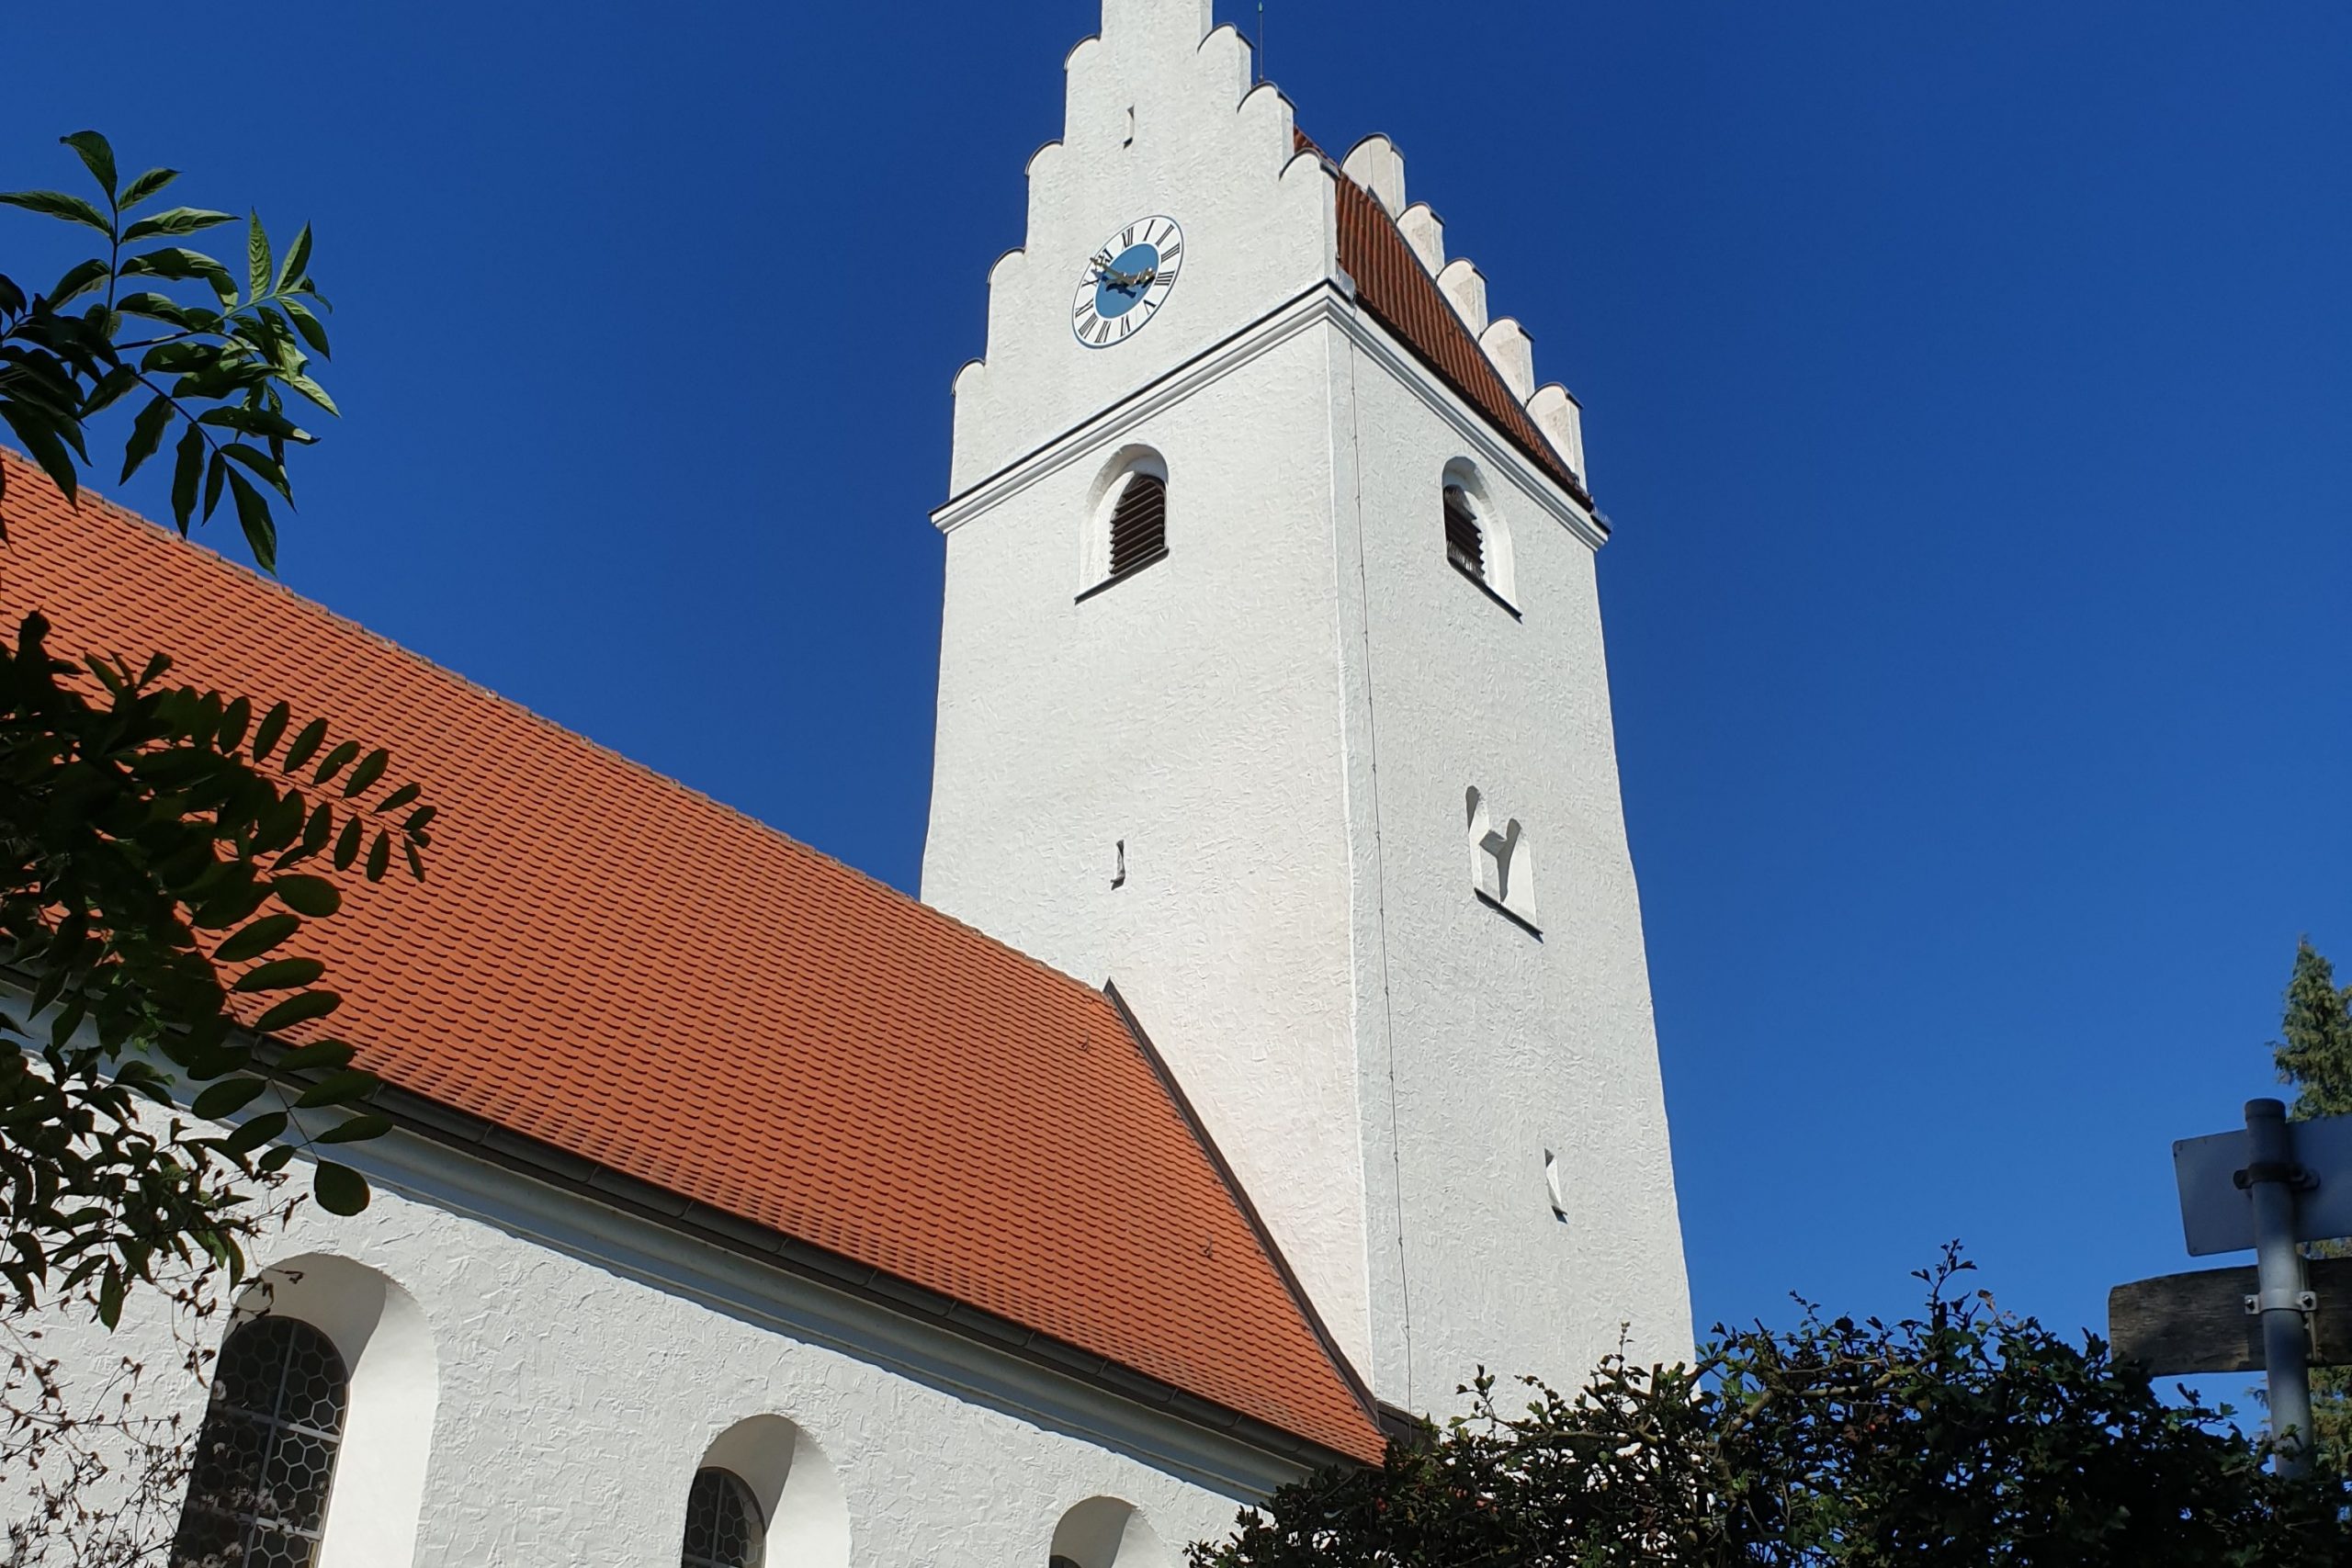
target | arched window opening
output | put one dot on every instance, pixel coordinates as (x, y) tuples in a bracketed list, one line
[(1140, 522), (1465, 541), (1104, 1532), (265, 1457), (724, 1528)]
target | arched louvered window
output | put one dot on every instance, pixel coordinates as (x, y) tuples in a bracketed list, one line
[(1140, 522), (1465, 541), (723, 1525), (264, 1457)]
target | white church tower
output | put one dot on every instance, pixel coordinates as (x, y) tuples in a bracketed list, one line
[(1273, 692)]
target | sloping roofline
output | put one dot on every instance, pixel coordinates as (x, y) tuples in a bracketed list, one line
[(1397, 291), (609, 965)]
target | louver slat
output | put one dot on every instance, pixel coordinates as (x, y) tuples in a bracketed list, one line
[(1465, 543), (1140, 524)]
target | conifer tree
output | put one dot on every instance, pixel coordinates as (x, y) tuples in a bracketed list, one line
[(2315, 1056)]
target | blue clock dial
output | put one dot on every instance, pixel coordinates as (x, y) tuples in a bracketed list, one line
[(1125, 281), (1119, 287)]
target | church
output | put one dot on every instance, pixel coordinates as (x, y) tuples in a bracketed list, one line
[(1271, 1047)]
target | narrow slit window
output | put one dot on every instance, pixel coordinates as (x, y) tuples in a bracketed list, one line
[(1465, 542), (1140, 524)]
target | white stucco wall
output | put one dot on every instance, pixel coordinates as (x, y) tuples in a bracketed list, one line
[(584, 1362), (1497, 1044), (1279, 723)]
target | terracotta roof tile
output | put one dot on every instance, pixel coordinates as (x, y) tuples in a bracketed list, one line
[(609, 963), (1393, 285)]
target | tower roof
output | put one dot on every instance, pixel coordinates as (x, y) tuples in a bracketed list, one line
[(1392, 284), (624, 972)]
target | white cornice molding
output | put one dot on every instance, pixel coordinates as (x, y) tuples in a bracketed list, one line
[(798, 1307), (1321, 304)]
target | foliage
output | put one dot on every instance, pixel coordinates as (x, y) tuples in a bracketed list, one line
[(159, 848), (99, 1459), (2315, 1056), (154, 836), (214, 363), (2314, 1052), (1967, 1436)]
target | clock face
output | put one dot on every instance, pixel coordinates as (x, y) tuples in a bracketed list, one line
[(1125, 281)]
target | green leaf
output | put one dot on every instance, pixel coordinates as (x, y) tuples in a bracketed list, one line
[(40, 435), (298, 261), (337, 1087), (379, 859), (227, 1098), (256, 938), (346, 843), (97, 156), (110, 387), (312, 896), (315, 832), (78, 281), (234, 721), (274, 1160), (356, 1129), (319, 1055), (339, 1189), (146, 185), (297, 1009), (253, 516), (187, 472), (214, 476), (146, 434), (371, 768), (398, 799), (259, 461), (311, 389), (257, 267), (176, 264), (313, 330), (308, 741), (280, 974), (252, 1134), (57, 204), (335, 761), (177, 222), (273, 725)]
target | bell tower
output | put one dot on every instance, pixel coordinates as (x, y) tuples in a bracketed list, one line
[(1273, 691)]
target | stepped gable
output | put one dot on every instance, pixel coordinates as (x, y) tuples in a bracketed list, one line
[(610, 963), (1392, 284)]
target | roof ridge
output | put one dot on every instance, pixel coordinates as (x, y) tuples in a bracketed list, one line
[(270, 583)]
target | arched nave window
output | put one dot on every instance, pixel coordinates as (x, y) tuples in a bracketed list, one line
[(764, 1491), (265, 1455), (1104, 1532), (724, 1528)]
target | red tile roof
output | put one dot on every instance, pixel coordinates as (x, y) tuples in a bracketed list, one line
[(610, 963), (1393, 285)]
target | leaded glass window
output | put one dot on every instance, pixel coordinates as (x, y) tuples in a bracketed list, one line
[(723, 1525), (265, 1456)]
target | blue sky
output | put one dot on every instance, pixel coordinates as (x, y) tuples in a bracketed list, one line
[(1968, 388)]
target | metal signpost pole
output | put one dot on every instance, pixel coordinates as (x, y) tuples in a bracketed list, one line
[(2271, 1179)]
